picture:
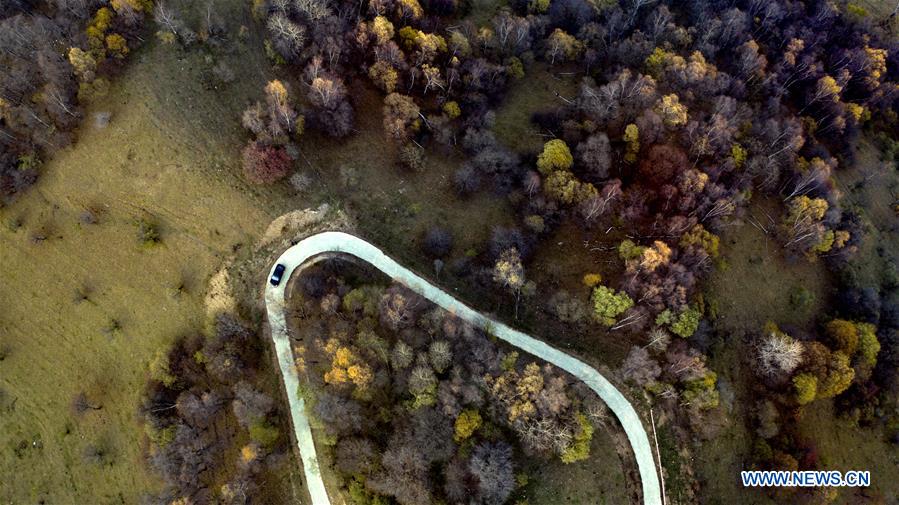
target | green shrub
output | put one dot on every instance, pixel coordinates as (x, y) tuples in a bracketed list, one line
[(264, 434), (686, 323), (579, 449), (161, 437), (509, 360), (364, 299), (360, 496), (147, 233), (159, 368), (868, 345), (801, 298), (628, 250), (607, 305)]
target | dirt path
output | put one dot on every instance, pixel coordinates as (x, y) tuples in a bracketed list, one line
[(337, 242)]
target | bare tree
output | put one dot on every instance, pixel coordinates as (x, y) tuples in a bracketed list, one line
[(289, 37), (639, 368), (167, 17), (778, 354)]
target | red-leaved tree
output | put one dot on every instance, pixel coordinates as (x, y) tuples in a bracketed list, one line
[(264, 164)]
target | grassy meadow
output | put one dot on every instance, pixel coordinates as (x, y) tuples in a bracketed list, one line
[(757, 283), (83, 307)]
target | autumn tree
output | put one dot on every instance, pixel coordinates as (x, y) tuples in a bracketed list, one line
[(806, 386), (401, 117), (672, 112), (607, 305), (384, 75), (508, 272), (466, 424), (563, 186), (654, 256), (843, 336), (562, 46), (347, 366), (662, 164), (555, 156), (838, 378), (264, 164), (632, 140), (868, 344)]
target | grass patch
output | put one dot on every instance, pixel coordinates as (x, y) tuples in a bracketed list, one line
[(597, 480), (870, 188), (844, 446), (757, 282), (537, 91), (85, 307)]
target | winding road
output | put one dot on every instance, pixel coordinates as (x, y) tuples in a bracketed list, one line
[(299, 255)]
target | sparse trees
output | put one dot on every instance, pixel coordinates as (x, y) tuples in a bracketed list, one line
[(466, 180), (288, 37), (356, 456), (276, 122), (333, 113), (184, 417), (803, 225)]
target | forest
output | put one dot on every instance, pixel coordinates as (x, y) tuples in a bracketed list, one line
[(213, 432), (420, 407), (684, 115), (56, 56), (687, 117)]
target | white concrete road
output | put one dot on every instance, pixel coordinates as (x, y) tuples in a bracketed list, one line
[(338, 242)]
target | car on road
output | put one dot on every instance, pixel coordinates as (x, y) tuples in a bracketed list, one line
[(277, 274)]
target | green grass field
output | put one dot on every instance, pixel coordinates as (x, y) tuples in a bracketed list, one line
[(169, 156), (756, 280), (535, 92)]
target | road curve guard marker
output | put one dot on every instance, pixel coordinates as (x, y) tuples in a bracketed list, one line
[(338, 242)]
